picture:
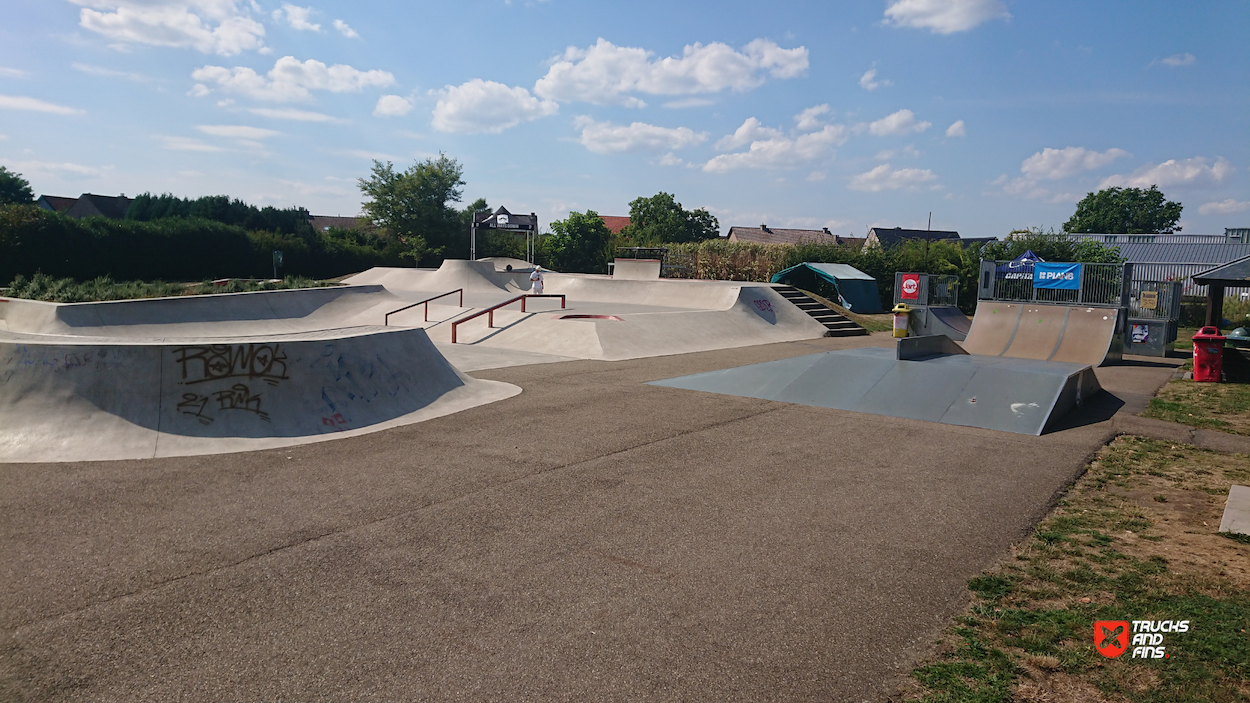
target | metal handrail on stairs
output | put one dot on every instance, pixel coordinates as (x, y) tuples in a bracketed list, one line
[(387, 318), (490, 312)]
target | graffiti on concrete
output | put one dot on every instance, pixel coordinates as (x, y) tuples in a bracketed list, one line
[(216, 362), (236, 397)]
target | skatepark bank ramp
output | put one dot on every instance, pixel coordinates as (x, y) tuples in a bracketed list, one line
[(997, 393), (66, 398)]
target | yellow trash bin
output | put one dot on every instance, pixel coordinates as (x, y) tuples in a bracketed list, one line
[(901, 314)]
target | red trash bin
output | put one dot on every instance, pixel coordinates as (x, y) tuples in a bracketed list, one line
[(1208, 354)]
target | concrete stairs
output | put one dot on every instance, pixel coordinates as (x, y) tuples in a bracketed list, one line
[(837, 324)]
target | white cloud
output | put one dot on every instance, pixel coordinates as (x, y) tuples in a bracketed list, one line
[(1053, 164), (53, 168), (869, 81), (296, 17), (289, 79), (1176, 60), (1225, 207), (608, 138), (209, 26), (345, 30), (487, 106), (807, 120), (292, 114), (957, 129), (944, 16), (605, 74), (237, 131), (688, 102), (776, 152), (12, 72), (817, 176), (1186, 172), (901, 122), (187, 144), (750, 131), (21, 102), (392, 106), (671, 159), (885, 178), (110, 73)]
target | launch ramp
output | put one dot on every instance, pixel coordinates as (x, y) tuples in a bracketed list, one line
[(1066, 333), (997, 393)]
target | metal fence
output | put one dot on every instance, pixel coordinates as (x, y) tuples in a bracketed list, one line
[(1101, 285), (1158, 300), (934, 289)]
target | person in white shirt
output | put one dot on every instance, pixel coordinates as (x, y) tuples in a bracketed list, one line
[(536, 280)]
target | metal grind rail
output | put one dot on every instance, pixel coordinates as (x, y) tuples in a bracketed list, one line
[(387, 318), (490, 312)]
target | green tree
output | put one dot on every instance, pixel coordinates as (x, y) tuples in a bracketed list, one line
[(14, 190), (1051, 246), (1125, 211), (660, 219), (414, 205), (581, 243)]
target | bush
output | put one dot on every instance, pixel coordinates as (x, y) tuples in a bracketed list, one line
[(33, 240)]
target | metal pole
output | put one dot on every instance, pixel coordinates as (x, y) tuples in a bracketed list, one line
[(473, 239)]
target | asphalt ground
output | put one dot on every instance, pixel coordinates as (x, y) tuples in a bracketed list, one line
[(592, 538)]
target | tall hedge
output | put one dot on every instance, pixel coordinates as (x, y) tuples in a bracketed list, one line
[(33, 240)]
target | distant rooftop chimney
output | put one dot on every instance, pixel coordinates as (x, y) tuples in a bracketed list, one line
[(765, 228), (826, 230)]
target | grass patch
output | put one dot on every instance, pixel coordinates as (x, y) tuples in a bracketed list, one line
[(67, 290), (1219, 406), (1111, 550), (872, 323)]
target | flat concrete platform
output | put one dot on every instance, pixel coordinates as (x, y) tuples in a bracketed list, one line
[(594, 538)]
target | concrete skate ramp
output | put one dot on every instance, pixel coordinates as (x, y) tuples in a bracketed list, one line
[(939, 319), (997, 393), (754, 315), (1045, 332), (76, 398), (264, 312), (472, 276)]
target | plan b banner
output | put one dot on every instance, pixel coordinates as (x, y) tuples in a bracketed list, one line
[(1057, 276)]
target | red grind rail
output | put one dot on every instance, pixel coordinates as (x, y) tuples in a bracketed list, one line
[(387, 318), (490, 312)]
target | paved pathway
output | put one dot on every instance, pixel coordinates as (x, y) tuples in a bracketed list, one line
[(593, 538)]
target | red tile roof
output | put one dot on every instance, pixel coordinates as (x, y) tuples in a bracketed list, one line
[(615, 223)]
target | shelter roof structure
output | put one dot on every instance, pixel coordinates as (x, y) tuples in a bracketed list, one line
[(1198, 252), (1233, 274)]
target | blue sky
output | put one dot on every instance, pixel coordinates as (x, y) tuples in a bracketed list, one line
[(991, 114)]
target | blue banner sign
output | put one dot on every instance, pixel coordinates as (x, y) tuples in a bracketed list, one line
[(1057, 276)]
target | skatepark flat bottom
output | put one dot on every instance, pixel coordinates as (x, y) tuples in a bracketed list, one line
[(996, 393), (591, 539)]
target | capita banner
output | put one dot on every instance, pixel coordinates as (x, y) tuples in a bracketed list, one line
[(1057, 276)]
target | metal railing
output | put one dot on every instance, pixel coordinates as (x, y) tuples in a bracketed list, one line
[(386, 319), (490, 312), (1101, 285), (1155, 300), (934, 289)]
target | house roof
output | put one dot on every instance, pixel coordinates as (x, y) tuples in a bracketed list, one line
[(772, 235), (887, 236), (1181, 253), (615, 223), (56, 203), (1234, 273), (323, 222), (92, 205)]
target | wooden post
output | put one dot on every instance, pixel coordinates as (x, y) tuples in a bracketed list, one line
[(1215, 304)]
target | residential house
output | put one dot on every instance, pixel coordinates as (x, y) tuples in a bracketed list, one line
[(775, 235), (615, 223), (87, 205), (889, 236)]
